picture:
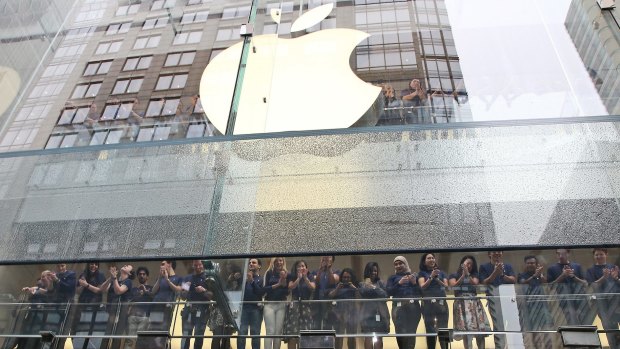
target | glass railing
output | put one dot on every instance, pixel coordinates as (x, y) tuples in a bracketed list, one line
[(216, 302)]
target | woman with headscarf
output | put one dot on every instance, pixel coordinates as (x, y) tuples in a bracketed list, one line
[(405, 291)]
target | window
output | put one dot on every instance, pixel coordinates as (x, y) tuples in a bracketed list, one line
[(166, 82), (118, 28), (157, 133), (152, 23), (108, 47), (283, 28), (285, 7), (117, 111), (192, 37), (46, 90), (147, 42), (86, 90), (106, 137), (80, 33), (127, 10), (73, 116), (137, 63), (196, 2), (195, 17), (127, 86), (198, 130), (180, 58), (58, 70), (236, 12), (162, 107), (96, 68), (161, 4), (68, 51), (227, 34), (61, 141)]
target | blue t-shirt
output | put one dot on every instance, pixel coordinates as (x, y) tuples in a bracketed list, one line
[(253, 291), (140, 296), (125, 297), (322, 283), (274, 294), (408, 290), (486, 270), (434, 289), (609, 285), (303, 290), (65, 287), (165, 293), (466, 288), (88, 296), (196, 281), (533, 285)]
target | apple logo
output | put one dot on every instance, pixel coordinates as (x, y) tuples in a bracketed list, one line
[(304, 83)]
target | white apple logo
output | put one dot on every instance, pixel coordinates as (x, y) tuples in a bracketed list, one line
[(297, 84)]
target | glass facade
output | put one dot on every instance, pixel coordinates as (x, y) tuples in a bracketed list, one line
[(212, 132)]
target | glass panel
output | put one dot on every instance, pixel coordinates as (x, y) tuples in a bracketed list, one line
[(66, 116), (134, 85), (145, 62), (109, 112), (80, 115), (172, 59), (120, 87), (187, 58), (131, 63), (163, 83)]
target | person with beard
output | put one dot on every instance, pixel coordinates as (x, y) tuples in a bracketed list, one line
[(252, 310), (406, 313), (604, 278), (196, 311), (138, 313), (568, 279), (494, 274), (535, 313)]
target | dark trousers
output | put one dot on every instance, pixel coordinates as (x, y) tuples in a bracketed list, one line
[(251, 318), (435, 313), (406, 319), (194, 321)]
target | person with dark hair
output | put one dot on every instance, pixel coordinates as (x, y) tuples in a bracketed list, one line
[(195, 313), (165, 291), (138, 313), (374, 315), (299, 313), (65, 283), (89, 299), (276, 292), (494, 274), (468, 313), (604, 278), (117, 286), (568, 279), (346, 310), (252, 310), (433, 283), (406, 314), (535, 314), (326, 280)]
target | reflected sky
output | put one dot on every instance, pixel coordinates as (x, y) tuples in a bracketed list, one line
[(519, 61)]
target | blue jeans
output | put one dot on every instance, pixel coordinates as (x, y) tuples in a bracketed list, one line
[(252, 318), (194, 320)]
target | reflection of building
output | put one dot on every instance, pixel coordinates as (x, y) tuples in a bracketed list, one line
[(595, 33), (130, 71)]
